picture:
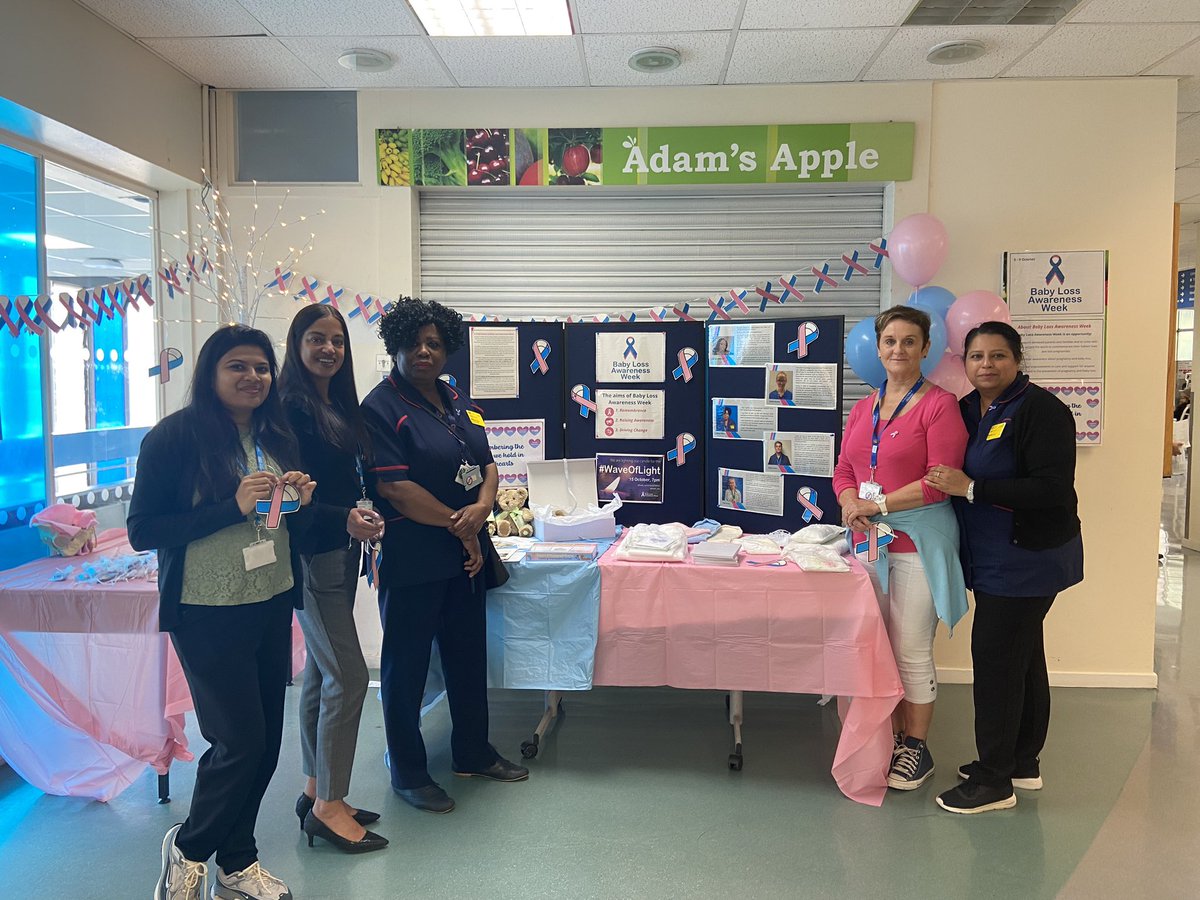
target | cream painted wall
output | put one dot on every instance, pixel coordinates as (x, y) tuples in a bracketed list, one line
[(92, 93), (1006, 165)]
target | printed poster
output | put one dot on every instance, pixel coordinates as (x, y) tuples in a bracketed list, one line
[(798, 453), (513, 443), (633, 478), (757, 492), (631, 356), (1085, 399), (741, 345), (630, 415), (494, 362), (1052, 285), (742, 418)]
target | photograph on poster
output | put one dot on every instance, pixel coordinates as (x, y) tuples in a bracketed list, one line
[(798, 453), (741, 418), (631, 356), (779, 385), (740, 345), (513, 443), (750, 491), (495, 365), (633, 478), (629, 415)]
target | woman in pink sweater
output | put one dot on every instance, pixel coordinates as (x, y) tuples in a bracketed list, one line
[(892, 438)]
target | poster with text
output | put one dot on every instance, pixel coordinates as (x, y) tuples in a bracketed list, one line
[(1057, 284), (741, 345), (631, 356), (1061, 349), (513, 443), (494, 362), (1085, 399), (798, 453), (629, 415), (633, 478), (742, 418), (758, 492)]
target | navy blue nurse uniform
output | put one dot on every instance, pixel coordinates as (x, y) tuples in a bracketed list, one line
[(424, 593)]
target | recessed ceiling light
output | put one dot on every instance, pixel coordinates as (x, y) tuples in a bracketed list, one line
[(480, 18), (365, 61), (654, 59), (952, 53)]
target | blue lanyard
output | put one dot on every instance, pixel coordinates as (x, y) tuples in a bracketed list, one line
[(362, 481), (875, 419), (258, 455)]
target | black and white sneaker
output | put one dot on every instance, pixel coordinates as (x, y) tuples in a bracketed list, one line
[(911, 766), (972, 797), (1028, 780), (180, 878)]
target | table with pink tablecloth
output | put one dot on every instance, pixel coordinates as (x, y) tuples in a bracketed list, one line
[(91, 692), (758, 628)]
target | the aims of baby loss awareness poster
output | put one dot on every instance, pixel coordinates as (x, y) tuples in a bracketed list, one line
[(631, 356), (494, 362), (629, 415), (514, 442)]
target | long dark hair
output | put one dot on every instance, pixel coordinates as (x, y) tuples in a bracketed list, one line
[(340, 424), (221, 455)]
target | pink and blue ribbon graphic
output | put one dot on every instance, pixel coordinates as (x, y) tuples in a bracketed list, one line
[(877, 536), (806, 333), (788, 286), (281, 280), (717, 309), (1055, 271), (807, 497), (582, 394), (853, 265), (169, 359), (880, 250), (823, 277), (541, 353), (687, 360), (284, 499), (684, 444)]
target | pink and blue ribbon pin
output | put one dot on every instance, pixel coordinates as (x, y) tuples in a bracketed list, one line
[(169, 359)]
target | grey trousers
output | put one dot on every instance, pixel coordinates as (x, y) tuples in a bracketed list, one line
[(335, 678)]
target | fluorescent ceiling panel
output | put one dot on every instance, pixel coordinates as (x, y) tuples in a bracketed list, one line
[(480, 18)]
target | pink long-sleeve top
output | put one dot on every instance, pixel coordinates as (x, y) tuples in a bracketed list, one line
[(930, 432)]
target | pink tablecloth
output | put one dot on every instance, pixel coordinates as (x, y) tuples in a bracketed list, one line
[(755, 628), (91, 692)]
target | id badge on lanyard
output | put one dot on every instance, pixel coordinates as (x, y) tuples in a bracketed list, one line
[(261, 551)]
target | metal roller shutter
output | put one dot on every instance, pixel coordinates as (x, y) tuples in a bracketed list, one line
[(558, 252)]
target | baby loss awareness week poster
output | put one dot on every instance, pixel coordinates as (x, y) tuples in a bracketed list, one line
[(513, 442), (631, 356)]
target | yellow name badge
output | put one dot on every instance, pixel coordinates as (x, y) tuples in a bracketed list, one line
[(475, 417), (996, 430)]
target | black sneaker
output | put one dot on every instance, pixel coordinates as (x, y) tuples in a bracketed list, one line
[(972, 797), (911, 765), (1028, 780)]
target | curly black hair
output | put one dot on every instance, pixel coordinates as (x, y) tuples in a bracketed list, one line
[(399, 326)]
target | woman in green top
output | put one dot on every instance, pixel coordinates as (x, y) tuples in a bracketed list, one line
[(218, 497)]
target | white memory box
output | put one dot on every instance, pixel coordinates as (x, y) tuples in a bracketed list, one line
[(568, 486)]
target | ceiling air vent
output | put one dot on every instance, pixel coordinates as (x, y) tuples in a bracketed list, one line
[(990, 12)]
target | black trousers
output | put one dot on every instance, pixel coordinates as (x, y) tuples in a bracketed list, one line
[(236, 662), (453, 612), (1012, 690)]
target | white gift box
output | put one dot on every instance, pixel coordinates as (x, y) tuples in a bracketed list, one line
[(562, 495)]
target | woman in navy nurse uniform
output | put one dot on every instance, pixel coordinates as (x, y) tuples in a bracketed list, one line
[(435, 483), (1021, 546)]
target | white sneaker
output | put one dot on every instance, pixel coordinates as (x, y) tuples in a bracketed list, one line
[(252, 883), (180, 878)]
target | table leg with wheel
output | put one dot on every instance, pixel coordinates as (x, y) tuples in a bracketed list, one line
[(734, 701), (554, 711)]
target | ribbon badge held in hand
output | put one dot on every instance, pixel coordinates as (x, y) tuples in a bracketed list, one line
[(283, 500)]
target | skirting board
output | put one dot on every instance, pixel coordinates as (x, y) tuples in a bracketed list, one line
[(1068, 679)]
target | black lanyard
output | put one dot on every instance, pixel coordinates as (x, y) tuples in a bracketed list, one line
[(875, 418)]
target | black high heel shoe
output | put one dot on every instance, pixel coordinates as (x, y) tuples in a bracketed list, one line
[(304, 805), (314, 827)]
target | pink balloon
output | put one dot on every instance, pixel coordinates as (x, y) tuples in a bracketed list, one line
[(970, 310), (917, 248), (950, 375)]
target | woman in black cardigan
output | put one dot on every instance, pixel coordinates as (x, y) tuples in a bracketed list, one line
[(1021, 546), (218, 497)]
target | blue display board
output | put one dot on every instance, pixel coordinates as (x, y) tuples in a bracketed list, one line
[(660, 476), (541, 392), (743, 367)]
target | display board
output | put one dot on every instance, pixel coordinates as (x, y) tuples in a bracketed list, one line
[(514, 373), (773, 421), (635, 401)]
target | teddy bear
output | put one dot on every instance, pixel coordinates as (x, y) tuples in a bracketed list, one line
[(514, 519)]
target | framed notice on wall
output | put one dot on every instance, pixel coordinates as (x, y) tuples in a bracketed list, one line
[(1059, 303)]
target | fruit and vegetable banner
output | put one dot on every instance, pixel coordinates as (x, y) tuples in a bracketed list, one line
[(701, 155)]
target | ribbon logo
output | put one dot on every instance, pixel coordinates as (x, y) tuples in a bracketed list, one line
[(630, 350), (284, 499), (788, 286), (687, 359), (806, 333), (877, 536), (169, 359), (449, 379), (823, 277), (281, 280), (1055, 271), (374, 554), (684, 444), (582, 394), (807, 497), (853, 266), (880, 250), (541, 353)]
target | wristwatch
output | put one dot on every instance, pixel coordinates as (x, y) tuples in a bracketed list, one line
[(971, 492), (881, 502)]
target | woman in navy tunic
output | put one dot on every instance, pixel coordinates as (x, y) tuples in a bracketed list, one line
[(434, 481), (1021, 546)]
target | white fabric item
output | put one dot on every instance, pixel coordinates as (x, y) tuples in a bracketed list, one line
[(816, 558), (759, 544), (911, 620), (727, 533), (818, 534), (661, 542)]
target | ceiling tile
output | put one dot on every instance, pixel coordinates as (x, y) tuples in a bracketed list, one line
[(773, 14), (774, 57), (632, 16), (1187, 184), (176, 18), (323, 17), (1139, 11), (1189, 94), (904, 56), (1187, 141), (251, 62), (1185, 62), (512, 61), (703, 55), (416, 65), (1073, 50)]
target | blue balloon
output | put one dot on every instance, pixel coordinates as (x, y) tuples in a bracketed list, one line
[(863, 355), (937, 345), (933, 300)]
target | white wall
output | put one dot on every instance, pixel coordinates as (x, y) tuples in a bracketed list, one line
[(1007, 166)]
